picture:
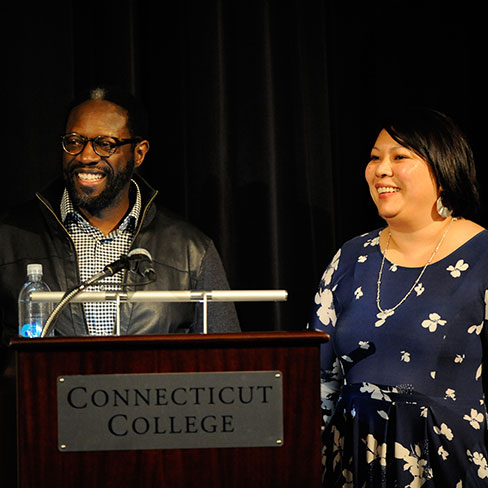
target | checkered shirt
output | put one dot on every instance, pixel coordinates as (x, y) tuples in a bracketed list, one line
[(95, 251)]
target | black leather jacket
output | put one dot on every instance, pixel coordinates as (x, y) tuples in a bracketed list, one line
[(183, 259)]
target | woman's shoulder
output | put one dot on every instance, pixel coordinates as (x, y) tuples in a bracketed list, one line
[(467, 228), (362, 241), (465, 239), (356, 249), (465, 233)]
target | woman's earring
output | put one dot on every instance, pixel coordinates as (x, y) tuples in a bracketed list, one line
[(441, 210)]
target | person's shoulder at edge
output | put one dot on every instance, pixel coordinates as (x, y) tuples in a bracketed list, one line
[(360, 242)]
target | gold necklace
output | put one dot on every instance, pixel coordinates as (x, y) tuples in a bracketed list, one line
[(390, 311)]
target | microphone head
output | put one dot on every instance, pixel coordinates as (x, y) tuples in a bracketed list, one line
[(141, 263), (140, 253), (122, 263)]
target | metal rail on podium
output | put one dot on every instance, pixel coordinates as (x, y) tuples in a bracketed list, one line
[(202, 296), (189, 410)]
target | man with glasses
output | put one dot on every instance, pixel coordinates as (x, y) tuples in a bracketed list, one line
[(98, 212)]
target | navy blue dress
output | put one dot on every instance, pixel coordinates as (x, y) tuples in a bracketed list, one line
[(402, 392)]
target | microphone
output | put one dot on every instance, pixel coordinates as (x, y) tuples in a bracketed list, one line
[(141, 263), (138, 261), (122, 263)]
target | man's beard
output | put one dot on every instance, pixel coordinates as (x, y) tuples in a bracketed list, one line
[(109, 197)]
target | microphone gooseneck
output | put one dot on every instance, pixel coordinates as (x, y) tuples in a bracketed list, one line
[(138, 261)]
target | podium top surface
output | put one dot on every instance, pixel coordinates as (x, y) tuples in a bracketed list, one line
[(305, 337)]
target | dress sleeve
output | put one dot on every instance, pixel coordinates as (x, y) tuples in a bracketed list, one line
[(483, 367), (324, 319)]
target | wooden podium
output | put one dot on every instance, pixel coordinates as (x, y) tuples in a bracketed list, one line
[(85, 411)]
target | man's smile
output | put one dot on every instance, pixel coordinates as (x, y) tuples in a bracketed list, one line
[(89, 177)]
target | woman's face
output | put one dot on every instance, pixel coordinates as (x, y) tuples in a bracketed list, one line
[(401, 183)]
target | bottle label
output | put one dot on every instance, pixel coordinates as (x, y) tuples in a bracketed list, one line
[(31, 330)]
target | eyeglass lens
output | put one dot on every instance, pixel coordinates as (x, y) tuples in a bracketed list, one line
[(103, 146)]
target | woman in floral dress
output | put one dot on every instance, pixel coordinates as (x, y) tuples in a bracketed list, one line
[(405, 307)]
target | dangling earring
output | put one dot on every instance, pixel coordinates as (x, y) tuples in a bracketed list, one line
[(441, 210)]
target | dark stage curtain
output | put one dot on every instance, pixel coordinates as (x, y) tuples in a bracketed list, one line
[(262, 114)]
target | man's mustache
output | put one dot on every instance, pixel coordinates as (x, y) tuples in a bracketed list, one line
[(102, 166)]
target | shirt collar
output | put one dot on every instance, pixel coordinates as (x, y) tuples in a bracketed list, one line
[(69, 214)]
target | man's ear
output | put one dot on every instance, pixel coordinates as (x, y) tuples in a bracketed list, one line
[(140, 152)]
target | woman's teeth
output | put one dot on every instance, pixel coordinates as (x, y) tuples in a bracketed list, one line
[(387, 189)]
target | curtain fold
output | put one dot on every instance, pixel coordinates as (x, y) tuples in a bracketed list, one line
[(252, 114), (260, 110)]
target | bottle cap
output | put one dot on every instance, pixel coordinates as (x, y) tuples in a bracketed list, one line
[(35, 269)]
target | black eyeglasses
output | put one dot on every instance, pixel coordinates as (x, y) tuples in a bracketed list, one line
[(104, 146)]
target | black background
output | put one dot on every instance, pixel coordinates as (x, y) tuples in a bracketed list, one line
[(262, 113)]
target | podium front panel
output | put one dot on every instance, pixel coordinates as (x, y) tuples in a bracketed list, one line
[(43, 462)]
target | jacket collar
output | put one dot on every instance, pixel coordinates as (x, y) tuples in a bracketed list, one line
[(53, 193)]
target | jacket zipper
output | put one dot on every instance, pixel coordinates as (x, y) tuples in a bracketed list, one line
[(141, 221), (48, 206), (139, 227)]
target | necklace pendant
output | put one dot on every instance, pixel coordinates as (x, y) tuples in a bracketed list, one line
[(385, 313), (382, 316)]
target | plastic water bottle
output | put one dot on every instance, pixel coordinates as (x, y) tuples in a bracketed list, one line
[(33, 315)]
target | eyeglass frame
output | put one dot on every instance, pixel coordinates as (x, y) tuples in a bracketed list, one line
[(86, 140)]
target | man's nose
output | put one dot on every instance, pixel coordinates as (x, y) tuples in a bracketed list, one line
[(88, 155)]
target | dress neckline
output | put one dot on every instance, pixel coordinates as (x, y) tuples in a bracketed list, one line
[(449, 256)]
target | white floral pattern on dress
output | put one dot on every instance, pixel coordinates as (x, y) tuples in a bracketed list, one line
[(445, 431), (433, 321), (376, 392), (442, 453), (374, 450), (324, 298), (476, 329), (405, 356), (450, 393), (419, 289), (415, 464), (372, 242), (475, 419), (479, 371), (458, 268), (326, 312), (445, 414), (479, 460)]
